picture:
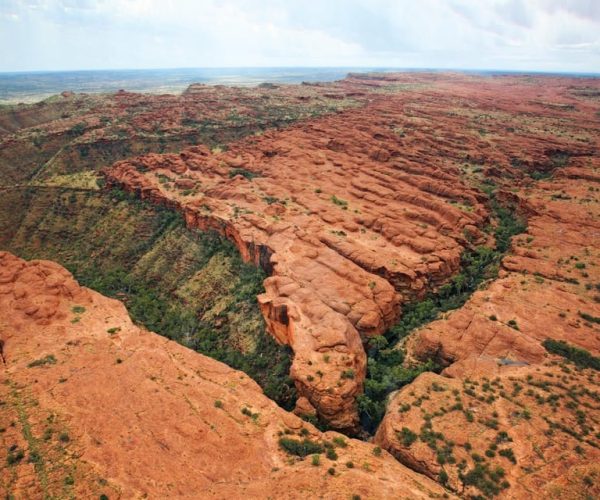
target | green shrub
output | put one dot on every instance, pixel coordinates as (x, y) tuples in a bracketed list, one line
[(15, 455), (339, 201), (443, 477), (589, 317), (508, 453), (243, 172), (300, 448), (580, 357), (340, 441), (406, 437), (47, 360)]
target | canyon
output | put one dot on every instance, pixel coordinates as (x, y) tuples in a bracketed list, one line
[(360, 201)]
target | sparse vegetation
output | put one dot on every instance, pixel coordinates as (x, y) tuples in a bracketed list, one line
[(339, 202), (580, 357), (243, 172), (50, 359)]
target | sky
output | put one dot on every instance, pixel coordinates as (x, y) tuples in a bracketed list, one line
[(523, 35)]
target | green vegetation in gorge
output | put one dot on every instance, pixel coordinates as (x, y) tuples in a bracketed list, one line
[(189, 286), (385, 368)]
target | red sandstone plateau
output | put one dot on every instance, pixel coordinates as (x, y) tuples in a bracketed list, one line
[(355, 213), (103, 407), (364, 205)]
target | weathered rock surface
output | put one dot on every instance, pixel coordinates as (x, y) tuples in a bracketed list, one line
[(93, 405), (549, 280), (512, 432), (359, 211), (65, 135), (346, 221), (502, 400)]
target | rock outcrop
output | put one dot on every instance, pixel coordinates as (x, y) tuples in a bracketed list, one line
[(506, 417), (507, 431), (343, 223), (357, 212), (548, 284), (93, 405)]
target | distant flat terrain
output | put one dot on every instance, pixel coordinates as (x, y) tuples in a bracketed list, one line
[(35, 86)]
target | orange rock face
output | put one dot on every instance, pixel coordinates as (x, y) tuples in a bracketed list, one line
[(354, 213), (510, 432), (502, 401), (547, 286), (93, 405), (346, 223)]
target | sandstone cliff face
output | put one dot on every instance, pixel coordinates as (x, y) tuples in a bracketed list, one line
[(93, 405), (357, 212), (341, 220)]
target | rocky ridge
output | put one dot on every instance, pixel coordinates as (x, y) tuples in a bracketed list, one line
[(93, 405), (315, 207), (355, 213)]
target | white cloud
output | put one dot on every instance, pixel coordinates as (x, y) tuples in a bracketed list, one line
[(500, 34)]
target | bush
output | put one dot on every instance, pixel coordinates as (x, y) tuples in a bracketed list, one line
[(300, 448), (340, 441), (508, 453), (580, 357), (339, 202), (443, 477), (243, 172), (14, 456), (47, 360), (589, 317), (406, 437)]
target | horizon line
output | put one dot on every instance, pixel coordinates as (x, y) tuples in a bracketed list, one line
[(369, 68)]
